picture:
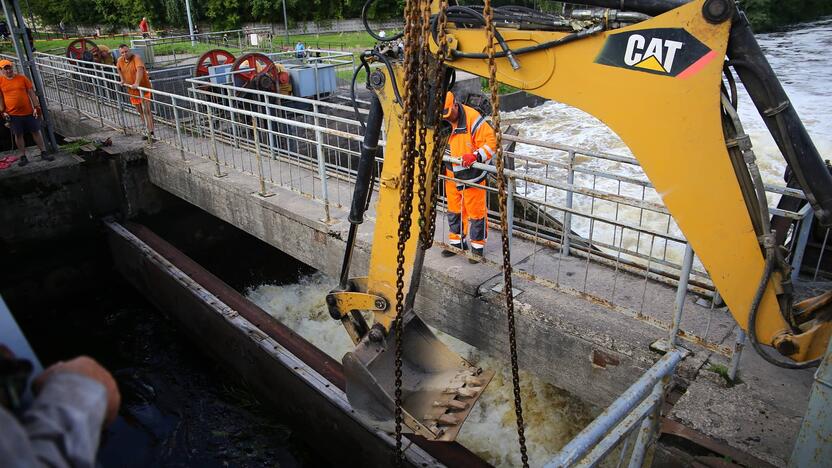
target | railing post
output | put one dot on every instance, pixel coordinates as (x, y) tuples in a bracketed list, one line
[(681, 292), (234, 128), (178, 128), (122, 119), (214, 154), (321, 163), (739, 344), (567, 216), (98, 98), (802, 238), (647, 428), (272, 139), (77, 104), (257, 155)]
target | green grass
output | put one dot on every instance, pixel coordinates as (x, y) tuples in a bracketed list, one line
[(58, 46), (722, 371), (350, 41), (74, 147)]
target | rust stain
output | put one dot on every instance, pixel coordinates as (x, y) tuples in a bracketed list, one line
[(603, 359)]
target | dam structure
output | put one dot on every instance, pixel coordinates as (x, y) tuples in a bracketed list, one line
[(607, 290)]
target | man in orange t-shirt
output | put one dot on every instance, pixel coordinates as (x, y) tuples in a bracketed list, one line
[(134, 76), (21, 110)]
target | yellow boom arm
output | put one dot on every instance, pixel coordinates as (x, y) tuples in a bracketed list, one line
[(656, 84)]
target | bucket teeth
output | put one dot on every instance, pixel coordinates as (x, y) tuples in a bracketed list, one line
[(451, 404), (466, 392), (448, 420), (472, 381), (469, 392)]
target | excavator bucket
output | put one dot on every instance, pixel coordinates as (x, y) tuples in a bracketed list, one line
[(439, 388)]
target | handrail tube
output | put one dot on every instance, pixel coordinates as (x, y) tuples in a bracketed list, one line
[(617, 411), (608, 443)]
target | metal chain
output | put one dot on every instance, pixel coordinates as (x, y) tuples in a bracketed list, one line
[(422, 113), (488, 13), (411, 47), (439, 141)]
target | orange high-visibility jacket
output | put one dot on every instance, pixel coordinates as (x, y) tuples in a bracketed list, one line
[(472, 134)]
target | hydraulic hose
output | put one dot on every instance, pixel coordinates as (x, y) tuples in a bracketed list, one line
[(781, 118), (364, 12), (366, 67), (363, 182), (752, 322), (650, 7)]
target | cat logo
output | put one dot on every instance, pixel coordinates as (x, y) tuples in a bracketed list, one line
[(666, 51)]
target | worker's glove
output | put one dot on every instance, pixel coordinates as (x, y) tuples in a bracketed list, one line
[(468, 160)]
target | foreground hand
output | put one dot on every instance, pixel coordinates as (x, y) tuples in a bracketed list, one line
[(132, 86), (37, 112), (468, 160), (90, 368)]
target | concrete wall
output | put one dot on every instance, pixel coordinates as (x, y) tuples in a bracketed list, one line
[(45, 200)]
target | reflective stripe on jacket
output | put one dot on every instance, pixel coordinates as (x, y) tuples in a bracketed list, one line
[(472, 134)]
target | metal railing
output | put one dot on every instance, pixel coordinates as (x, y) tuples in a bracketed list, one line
[(586, 222)]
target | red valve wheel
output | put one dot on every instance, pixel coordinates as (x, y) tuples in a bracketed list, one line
[(212, 58), (253, 64), (81, 49)]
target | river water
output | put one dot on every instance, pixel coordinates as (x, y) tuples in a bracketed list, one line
[(801, 58)]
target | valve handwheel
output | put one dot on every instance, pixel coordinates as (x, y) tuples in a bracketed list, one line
[(253, 64), (81, 49), (212, 58)]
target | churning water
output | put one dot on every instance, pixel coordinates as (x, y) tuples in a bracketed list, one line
[(552, 416), (801, 59)]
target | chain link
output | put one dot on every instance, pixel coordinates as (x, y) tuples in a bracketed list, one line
[(488, 13)]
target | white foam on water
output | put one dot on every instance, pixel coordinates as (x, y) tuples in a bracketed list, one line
[(552, 416)]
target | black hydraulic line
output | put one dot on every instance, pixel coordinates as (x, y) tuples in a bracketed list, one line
[(391, 73), (366, 67), (364, 12), (542, 46), (752, 322), (477, 16), (361, 193), (781, 118), (650, 7)]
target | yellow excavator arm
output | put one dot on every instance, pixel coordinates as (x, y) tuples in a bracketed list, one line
[(656, 84)]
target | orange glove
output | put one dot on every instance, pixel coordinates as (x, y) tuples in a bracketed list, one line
[(87, 367), (468, 160)]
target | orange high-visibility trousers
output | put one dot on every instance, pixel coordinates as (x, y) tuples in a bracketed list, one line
[(467, 212)]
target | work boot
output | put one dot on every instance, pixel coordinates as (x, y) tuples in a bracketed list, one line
[(23, 161), (450, 253), (46, 156), (476, 255)]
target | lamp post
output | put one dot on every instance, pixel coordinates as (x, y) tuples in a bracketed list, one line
[(190, 22), (285, 22)]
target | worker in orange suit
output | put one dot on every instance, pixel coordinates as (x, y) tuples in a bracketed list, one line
[(473, 141), (134, 76)]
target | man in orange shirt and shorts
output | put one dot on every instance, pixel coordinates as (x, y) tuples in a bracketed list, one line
[(134, 76), (21, 109)]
